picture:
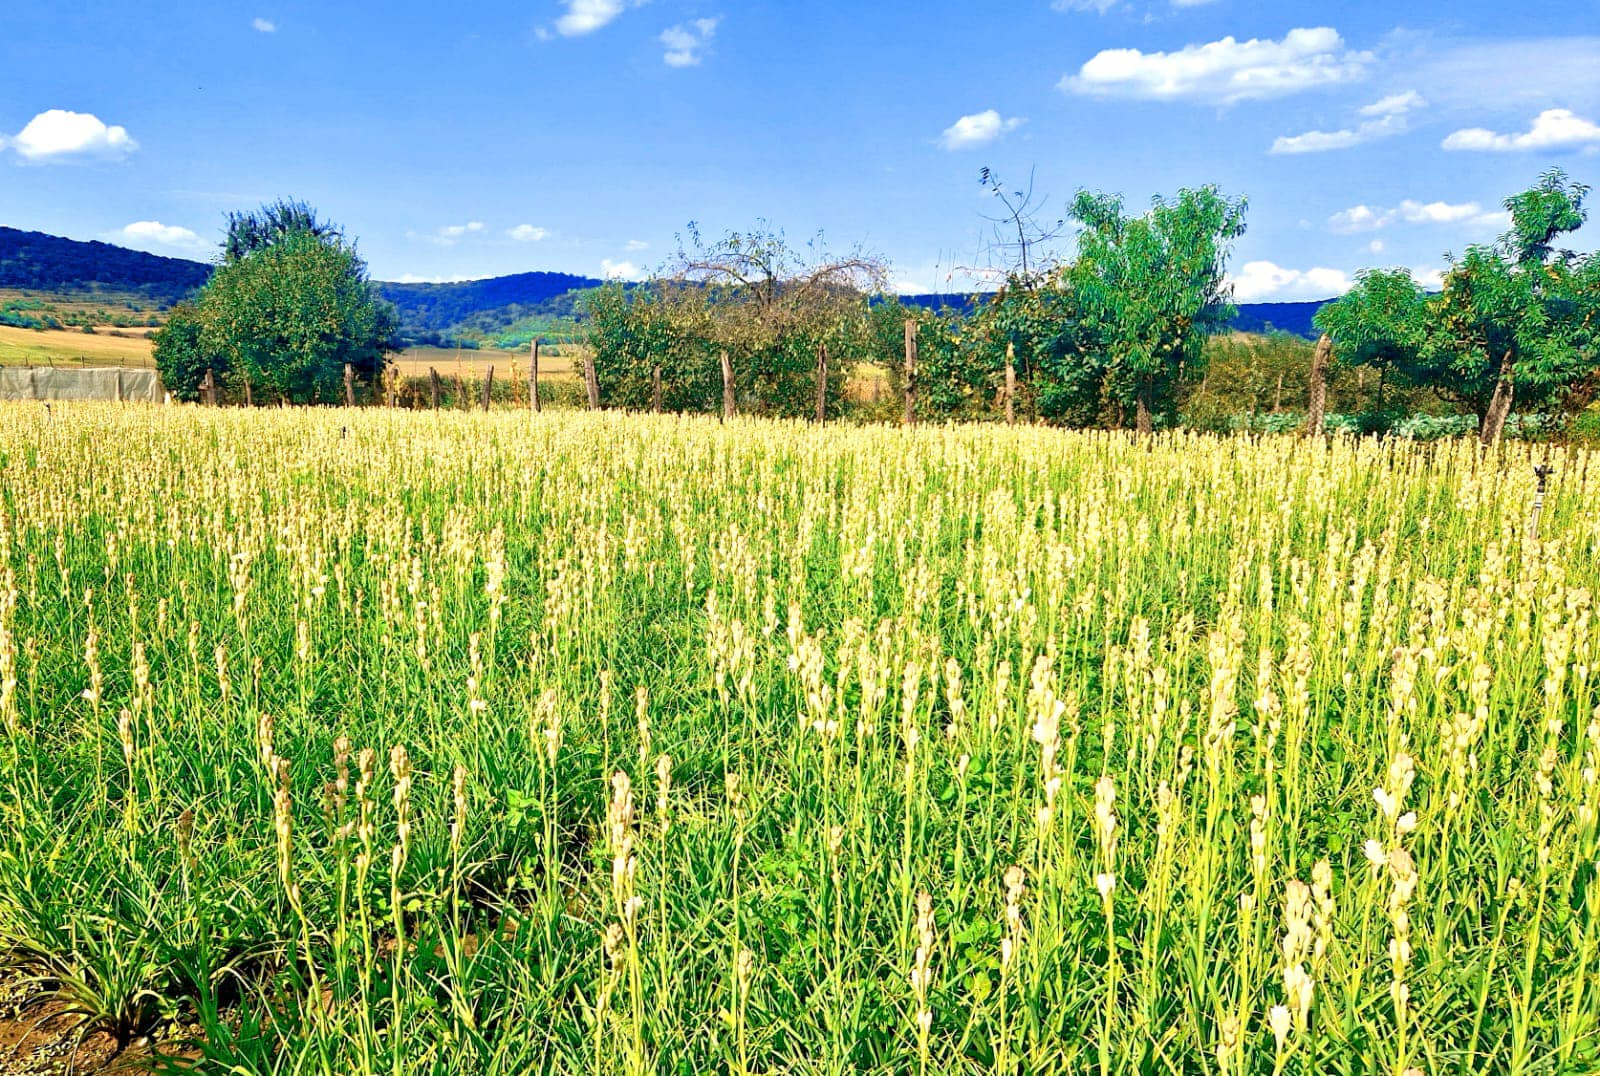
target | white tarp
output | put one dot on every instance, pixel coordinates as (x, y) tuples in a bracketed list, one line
[(79, 383)]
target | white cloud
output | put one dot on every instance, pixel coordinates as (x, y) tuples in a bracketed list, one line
[(527, 233), (1365, 218), (1387, 118), (264, 26), (1224, 71), (1316, 141), (1396, 104), (60, 135), (145, 234), (1552, 129), (1428, 276), (978, 129), (1376, 246), (587, 16), (618, 270), (450, 234), (414, 278), (1260, 281), (686, 43), (637, 245)]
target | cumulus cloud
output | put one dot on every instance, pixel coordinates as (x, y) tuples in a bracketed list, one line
[(263, 26), (587, 16), (450, 234), (618, 270), (1385, 118), (528, 233), (686, 43), (1396, 104), (1552, 129), (152, 234), (978, 129), (1365, 218), (1264, 280), (1225, 71), (60, 135)]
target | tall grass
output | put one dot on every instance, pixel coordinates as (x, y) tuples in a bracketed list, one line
[(387, 742)]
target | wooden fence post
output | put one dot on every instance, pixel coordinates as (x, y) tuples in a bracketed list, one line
[(433, 386), (249, 401), (533, 378), (591, 382), (727, 386), (655, 388), (1011, 384), (822, 383), (349, 386), (911, 373), (1317, 405), (208, 388), (488, 386)]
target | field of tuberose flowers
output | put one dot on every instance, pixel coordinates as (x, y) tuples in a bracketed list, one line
[(383, 742)]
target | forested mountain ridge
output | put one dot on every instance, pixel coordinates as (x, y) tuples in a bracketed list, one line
[(432, 313)]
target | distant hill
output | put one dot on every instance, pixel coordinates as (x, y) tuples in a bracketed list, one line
[(1281, 317), (429, 313), (1293, 318), (441, 313), (38, 262)]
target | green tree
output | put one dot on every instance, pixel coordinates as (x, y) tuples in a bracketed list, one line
[(1512, 322), (635, 331), (289, 315), (772, 305), (181, 357), (1147, 290), (260, 228)]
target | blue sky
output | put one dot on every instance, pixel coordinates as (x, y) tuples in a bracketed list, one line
[(474, 139)]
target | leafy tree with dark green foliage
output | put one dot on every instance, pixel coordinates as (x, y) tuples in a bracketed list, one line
[(290, 315), (287, 309), (1147, 290), (635, 330), (180, 353), (1513, 322), (261, 228)]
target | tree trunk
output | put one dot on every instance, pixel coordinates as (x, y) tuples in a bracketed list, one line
[(1317, 402), (349, 385), (655, 388), (249, 401), (1494, 420), (533, 379), (208, 388), (1011, 384), (433, 386), (591, 382), (911, 373), (1143, 422), (822, 383), (488, 387), (727, 386)]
